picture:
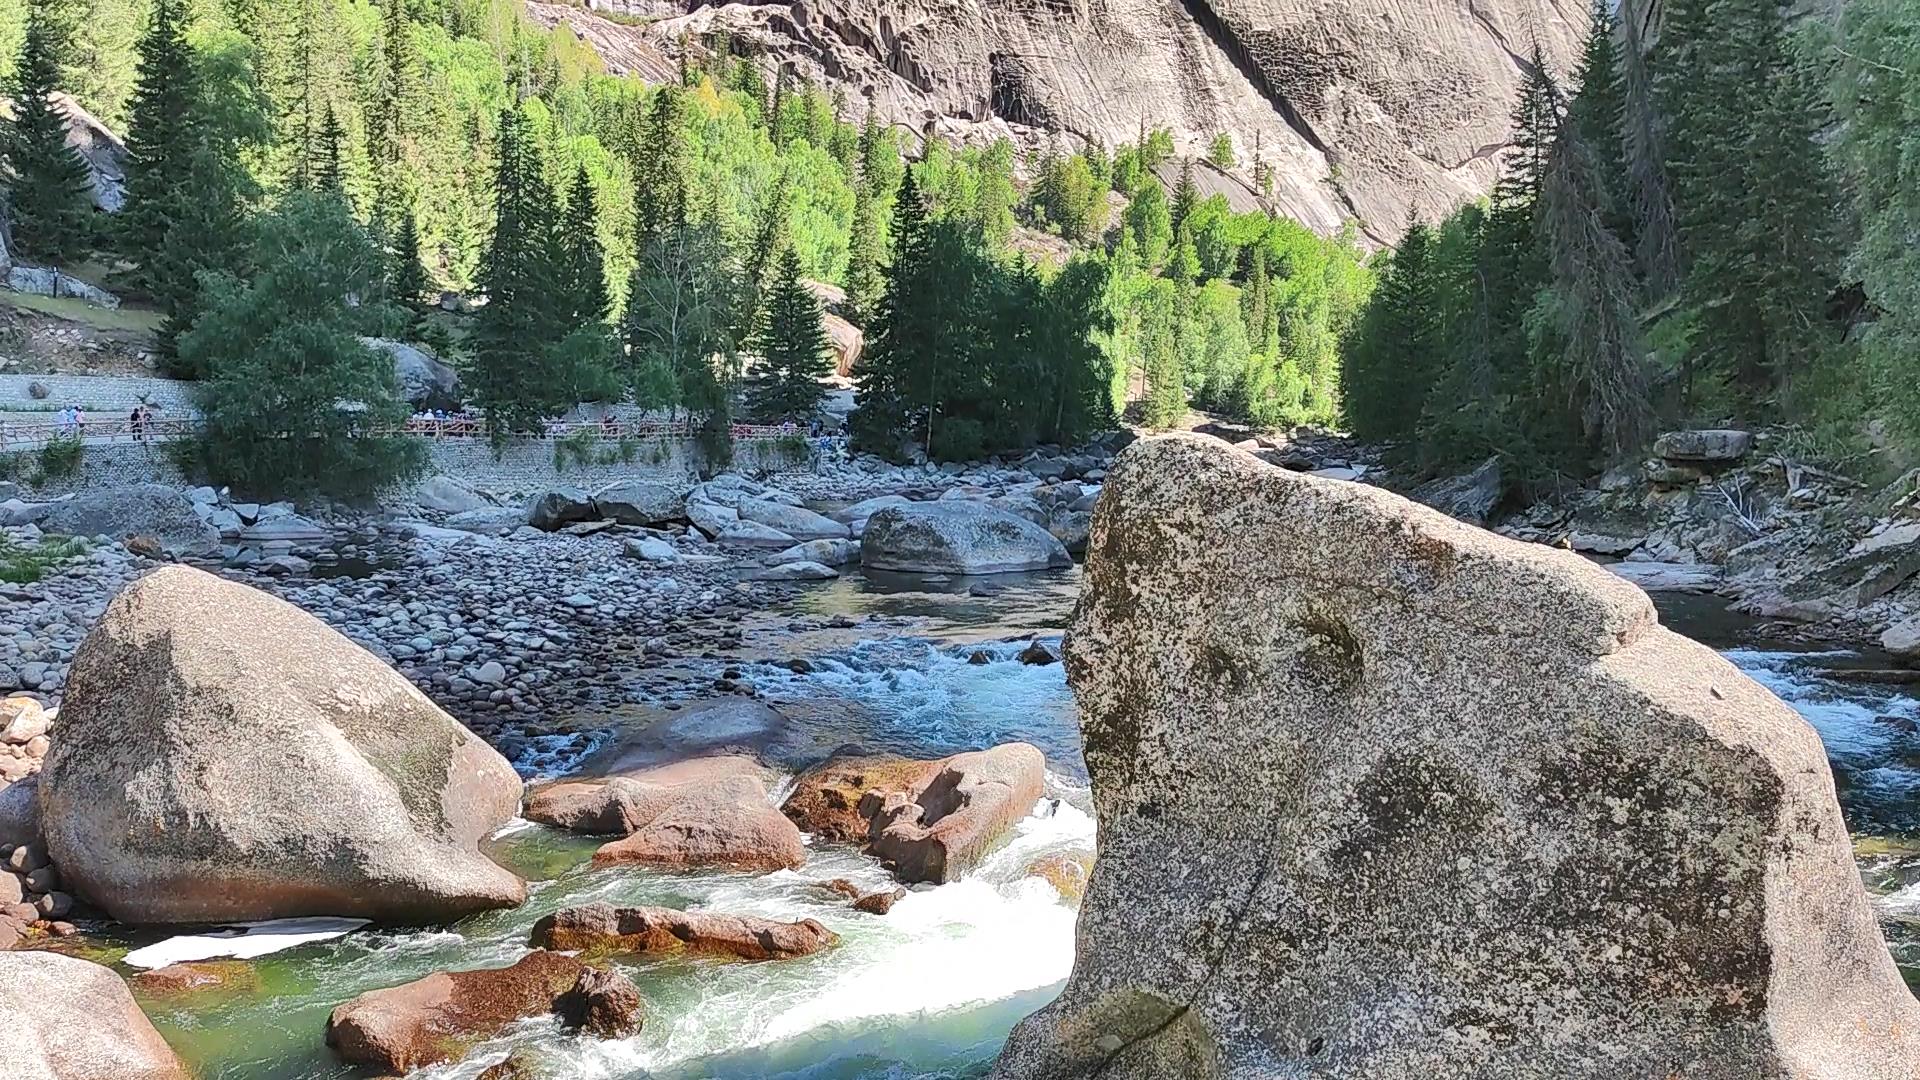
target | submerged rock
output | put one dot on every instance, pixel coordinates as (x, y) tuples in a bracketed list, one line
[(704, 813), (64, 1018), (602, 928), (1381, 794), (195, 976), (957, 536), (930, 820), (224, 756), (440, 1017)]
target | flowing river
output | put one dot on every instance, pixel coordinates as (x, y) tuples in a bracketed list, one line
[(931, 989)]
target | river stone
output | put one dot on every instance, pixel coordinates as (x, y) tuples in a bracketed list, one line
[(64, 1018), (152, 510), (824, 552), (703, 813), (753, 534), (1469, 496), (864, 509), (1384, 795), (604, 1004), (796, 521), (796, 571), (1713, 446), (957, 537), (440, 1017), (559, 506), (640, 502), (601, 928), (931, 820), (224, 756), (449, 495), (1902, 640)]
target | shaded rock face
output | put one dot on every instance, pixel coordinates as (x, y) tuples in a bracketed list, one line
[(704, 813), (439, 1017), (149, 510), (223, 756), (1363, 110), (1444, 805), (69, 1019), (1469, 496), (603, 928), (929, 820), (424, 380), (640, 502), (1714, 446), (957, 536)]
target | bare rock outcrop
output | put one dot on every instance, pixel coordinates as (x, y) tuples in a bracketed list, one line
[(224, 756), (1362, 109), (1382, 794), (602, 928), (70, 1019), (928, 820)]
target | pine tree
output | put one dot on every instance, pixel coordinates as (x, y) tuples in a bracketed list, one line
[(793, 348), (582, 278), (507, 377), (864, 280), (388, 112), (777, 125), (1186, 196), (769, 239), (1648, 189), (407, 279), (899, 340), (160, 143), (48, 190), (660, 191), (1512, 263), (1596, 115), (328, 175), (1388, 364), (681, 307)]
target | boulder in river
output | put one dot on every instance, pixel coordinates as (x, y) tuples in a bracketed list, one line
[(224, 756), (930, 820), (708, 812), (1382, 794), (641, 502), (602, 928), (558, 507), (604, 1004), (150, 510), (449, 495), (440, 1017), (957, 536), (795, 521), (64, 1018), (825, 552)]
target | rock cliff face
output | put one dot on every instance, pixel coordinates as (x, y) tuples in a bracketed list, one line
[(1384, 795), (1364, 108)]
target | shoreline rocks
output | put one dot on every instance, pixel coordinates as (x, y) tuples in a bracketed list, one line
[(601, 929), (1446, 805), (70, 1019), (223, 756)]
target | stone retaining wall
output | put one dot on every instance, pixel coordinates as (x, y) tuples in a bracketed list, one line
[(109, 396)]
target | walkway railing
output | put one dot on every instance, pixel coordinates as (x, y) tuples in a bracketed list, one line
[(15, 435)]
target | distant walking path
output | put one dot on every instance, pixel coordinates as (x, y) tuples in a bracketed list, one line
[(16, 435)]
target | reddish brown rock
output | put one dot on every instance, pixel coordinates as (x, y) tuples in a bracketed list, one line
[(1068, 874), (602, 1003), (604, 929), (196, 976), (703, 813), (62, 1018), (876, 902), (439, 1017), (930, 820)]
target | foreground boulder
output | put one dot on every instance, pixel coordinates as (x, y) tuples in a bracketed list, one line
[(957, 536), (224, 756), (603, 928), (707, 813), (440, 1017), (150, 510), (929, 820), (69, 1019), (1381, 794)]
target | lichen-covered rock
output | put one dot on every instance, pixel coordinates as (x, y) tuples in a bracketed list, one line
[(602, 928), (63, 1018), (1384, 795), (957, 536), (224, 756), (440, 1017), (928, 820)]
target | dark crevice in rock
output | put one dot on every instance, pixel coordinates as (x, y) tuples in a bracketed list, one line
[(1235, 50)]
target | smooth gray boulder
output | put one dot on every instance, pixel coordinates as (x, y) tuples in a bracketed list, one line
[(711, 518), (558, 507), (862, 510), (450, 495), (796, 521), (425, 381), (1711, 446), (827, 552), (492, 521), (641, 502), (153, 510), (652, 549), (752, 534), (224, 756), (71, 1019), (796, 571), (957, 537), (1384, 795)]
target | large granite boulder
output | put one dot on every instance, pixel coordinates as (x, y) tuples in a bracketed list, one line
[(1384, 795), (928, 820), (602, 928), (1711, 446), (704, 813), (424, 380), (641, 502), (440, 1017), (152, 510), (957, 537), (559, 506), (224, 756), (795, 521), (64, 1018)]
